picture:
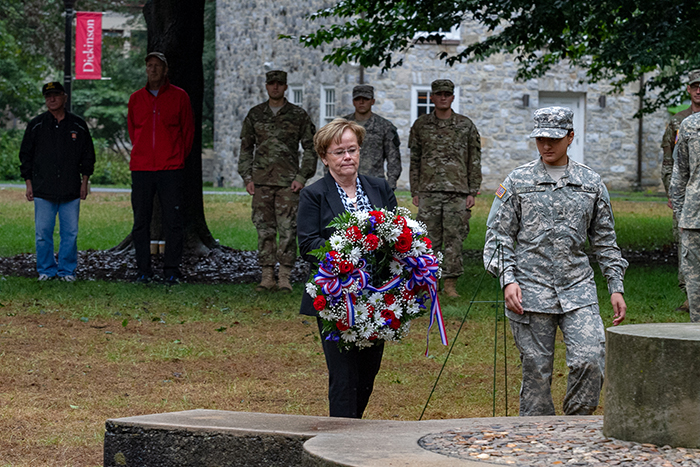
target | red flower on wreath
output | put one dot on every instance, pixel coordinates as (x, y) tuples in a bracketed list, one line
[(320, 302), (427, 242), (353, 233), (340, 324), (378, 216), (370, 311), (345, 267), (400, 221), (371, 242), (387, 314), (389, 299), (403, 243), (395, 323)]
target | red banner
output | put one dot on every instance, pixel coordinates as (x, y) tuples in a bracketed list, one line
[(88, 45)]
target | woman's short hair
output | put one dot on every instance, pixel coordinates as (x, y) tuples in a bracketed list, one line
[(332, 133)]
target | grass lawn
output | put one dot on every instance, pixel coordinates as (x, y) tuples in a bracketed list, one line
[(74, 355)]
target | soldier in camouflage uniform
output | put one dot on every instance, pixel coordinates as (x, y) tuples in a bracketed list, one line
[(685, 197), (445, 177), (541, 217), (381, 140), (667, 144), (269, 166)]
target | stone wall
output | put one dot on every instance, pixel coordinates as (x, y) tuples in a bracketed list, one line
[(247, 47)]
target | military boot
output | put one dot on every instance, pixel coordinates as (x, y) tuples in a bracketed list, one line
[(283, 279), (268, 279), (451, 287)]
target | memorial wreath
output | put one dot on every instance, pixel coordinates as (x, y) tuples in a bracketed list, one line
[(375, 275)]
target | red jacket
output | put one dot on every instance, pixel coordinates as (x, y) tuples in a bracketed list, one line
[(161, 128)]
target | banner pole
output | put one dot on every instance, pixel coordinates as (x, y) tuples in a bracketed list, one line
[(67, 78)]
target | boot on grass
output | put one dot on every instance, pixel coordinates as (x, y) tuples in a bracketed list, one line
[(268, 279), (451, 287), (283, 279)]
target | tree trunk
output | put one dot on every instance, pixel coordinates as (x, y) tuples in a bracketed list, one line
[(176, 28)]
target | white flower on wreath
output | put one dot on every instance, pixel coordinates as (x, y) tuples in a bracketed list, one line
[(395, 267), (375, 298), (361, 216), (413, 224), (311, 289), (419, 248), (355, 255), (337, 241)]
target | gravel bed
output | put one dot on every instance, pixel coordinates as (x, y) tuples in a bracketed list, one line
[(223, 265), (568, 441)]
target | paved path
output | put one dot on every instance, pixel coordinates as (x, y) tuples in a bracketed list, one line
[(98, 189)]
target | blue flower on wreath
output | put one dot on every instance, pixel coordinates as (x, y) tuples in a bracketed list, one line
[(333, 336)]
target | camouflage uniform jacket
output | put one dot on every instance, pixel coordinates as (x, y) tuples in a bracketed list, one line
[(685, 182), (381, 143), (668, 143), (543, 227), (270, 146), (445, 155)]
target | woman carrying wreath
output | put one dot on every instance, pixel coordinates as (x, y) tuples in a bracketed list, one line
[(351, 372)]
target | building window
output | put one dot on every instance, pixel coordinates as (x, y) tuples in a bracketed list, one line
[(327, 104), (451, 37), (296, 95), (421, 103)]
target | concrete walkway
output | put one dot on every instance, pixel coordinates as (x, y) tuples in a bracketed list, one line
[(212, 437)]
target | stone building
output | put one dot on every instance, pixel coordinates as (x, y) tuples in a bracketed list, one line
[(608, 138)]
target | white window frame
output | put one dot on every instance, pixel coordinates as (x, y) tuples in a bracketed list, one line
[(294, 92), (328, 110), (453, 35), (426, 88)]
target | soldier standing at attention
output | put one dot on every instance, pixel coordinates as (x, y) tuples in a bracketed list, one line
[(685, 196), (381, 140), (445, 176), (269, 166), (542, 215), (667, 144)]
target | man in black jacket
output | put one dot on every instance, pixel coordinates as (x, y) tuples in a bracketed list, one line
[(57, 158)]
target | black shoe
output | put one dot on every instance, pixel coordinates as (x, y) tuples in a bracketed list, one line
[(143, 279), (172, 280)]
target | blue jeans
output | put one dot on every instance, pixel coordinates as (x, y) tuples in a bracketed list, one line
[(45, 212)]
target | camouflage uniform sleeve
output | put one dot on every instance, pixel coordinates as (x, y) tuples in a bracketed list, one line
[(601, 235), (667, 163), (502, 228), (474, 162), (393, 156), (245, 157), (414, 145), (308, 158), (680, 177)]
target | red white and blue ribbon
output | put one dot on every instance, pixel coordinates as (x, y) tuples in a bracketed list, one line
[(424, 272), (333, 285)]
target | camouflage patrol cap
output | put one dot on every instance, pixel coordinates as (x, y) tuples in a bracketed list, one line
[(442, 85), (553, 122), (694, 77), (363, 90), (276, 75)]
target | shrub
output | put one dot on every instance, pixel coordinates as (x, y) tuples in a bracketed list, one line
[(10, 141), (110, 168)]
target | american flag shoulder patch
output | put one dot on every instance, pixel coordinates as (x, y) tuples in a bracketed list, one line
[(676, 141), (500, 191)]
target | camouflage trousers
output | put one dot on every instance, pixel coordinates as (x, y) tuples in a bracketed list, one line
[(447, 218), (584, 337), (677, 238), (275, 212), (690, 264)]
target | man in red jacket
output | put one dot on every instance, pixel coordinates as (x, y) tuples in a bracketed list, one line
[(161, 128)]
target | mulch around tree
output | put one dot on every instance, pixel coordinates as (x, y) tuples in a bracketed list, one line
[(228, 266), (223, 265)]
